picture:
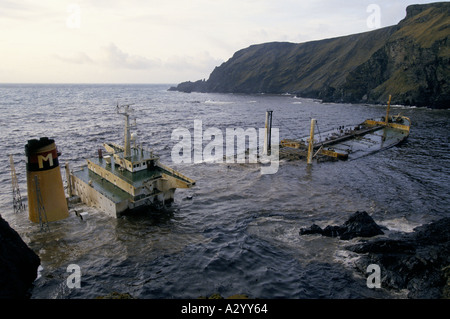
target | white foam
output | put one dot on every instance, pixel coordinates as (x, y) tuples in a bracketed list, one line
[(399, 224), (217, 102), (346, 257)]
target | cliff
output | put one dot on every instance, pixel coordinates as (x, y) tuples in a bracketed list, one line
[(410, 61)]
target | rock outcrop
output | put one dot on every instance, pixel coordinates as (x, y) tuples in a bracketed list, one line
[(360, 224), (18, 264), (410, 61), (417, 261)]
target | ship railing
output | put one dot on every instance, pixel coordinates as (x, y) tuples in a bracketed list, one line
[(175, 173), (390, 124)]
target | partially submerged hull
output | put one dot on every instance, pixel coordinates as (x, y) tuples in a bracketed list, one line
[(154, 187), (366, 139), (126, 179), (350, 143)]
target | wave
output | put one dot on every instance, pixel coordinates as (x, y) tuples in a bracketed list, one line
[(218, 102)]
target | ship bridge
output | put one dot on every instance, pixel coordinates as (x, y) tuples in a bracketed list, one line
[(127, 177)]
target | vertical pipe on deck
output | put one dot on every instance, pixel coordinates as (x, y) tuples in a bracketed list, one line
[(127, 146), (69, 180), (387, 111), (268, 133), (311, 142)]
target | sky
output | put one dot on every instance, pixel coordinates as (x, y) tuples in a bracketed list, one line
[(164, 41)]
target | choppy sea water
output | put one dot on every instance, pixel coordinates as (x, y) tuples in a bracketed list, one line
[(236, 231)]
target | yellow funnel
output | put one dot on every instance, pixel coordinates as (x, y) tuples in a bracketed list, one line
[(45, 187)]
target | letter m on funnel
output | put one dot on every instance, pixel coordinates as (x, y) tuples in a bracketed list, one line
[(42, 158)]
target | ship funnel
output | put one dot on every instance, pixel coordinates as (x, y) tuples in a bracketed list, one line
[(45, 187)]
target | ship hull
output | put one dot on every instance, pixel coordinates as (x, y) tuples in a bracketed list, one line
[(108, 198), (369, 143), (127, 179), (367, 138)]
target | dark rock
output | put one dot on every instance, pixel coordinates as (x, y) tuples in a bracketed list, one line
[(360, 224), (416, 261), (116, 295), (314, 229), (188, 87), (446, 290), (333, 231), (219, 296), (18, 264), (383, 246)]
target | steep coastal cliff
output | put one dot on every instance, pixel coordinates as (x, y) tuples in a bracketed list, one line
[(410, 61)]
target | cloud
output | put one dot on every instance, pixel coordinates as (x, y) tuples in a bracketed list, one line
[(115, 57), (14, 10), (116, 62), (198, 63), (201, 62), (164, 40), (78, 58)]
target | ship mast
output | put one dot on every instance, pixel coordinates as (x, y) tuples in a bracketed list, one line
[(127, 135)]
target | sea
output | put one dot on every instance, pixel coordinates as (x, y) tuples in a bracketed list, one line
[(237, 230)]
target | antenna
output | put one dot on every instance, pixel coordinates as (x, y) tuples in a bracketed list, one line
[(40, 205), (17, 198), (127, 136), (125, 106)]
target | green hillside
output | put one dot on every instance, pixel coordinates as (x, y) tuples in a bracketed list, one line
[(410, 61)]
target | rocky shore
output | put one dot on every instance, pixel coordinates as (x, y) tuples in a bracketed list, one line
[(418, 261), (18, 264)]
